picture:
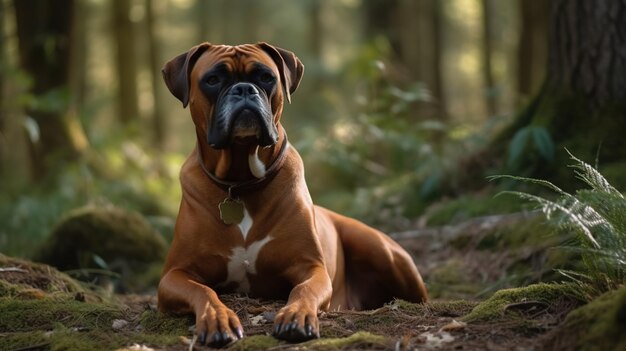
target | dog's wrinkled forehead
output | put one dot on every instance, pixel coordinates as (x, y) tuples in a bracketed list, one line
[(238, 60)]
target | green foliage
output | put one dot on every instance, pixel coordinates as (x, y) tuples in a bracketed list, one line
[(130, 178), (527, 140), (596, 217), (382, 160)]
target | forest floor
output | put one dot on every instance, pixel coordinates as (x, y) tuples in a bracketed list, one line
[(463, 265)]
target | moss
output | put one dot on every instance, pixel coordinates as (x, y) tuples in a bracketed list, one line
[(533, 232), (7, 289), (450, 278), (255, 342), (379, 320), (438, 307), (451, 308), (29, 275), (465, 207), (74, 325), (44, 314), (106, 238), (359, 338), (16, 341), (162, 323), (598, 325), (495, 307)]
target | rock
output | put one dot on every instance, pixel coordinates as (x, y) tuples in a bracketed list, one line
[(108, 243)]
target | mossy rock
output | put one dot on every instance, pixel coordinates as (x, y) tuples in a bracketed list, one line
[(598, 325), (108, 239), (42, 308), (24, 279), (499, 306)]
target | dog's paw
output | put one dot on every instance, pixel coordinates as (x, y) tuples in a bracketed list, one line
[(296, 323), (218, 326)]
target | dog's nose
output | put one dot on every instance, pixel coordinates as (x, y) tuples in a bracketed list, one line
[(244, 90)]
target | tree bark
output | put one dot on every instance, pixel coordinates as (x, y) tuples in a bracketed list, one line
[(44, 30), (487, 69), (124, 33), (588, 51), (3, 63), (419, 27), (414, 31), (532, 54), (204, 15), (3, 109), (582, 104), (154, 48)]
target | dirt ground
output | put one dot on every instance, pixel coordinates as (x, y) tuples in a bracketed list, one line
[(460, 268)]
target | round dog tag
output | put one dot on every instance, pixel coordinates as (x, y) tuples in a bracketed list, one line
[(231, 211)]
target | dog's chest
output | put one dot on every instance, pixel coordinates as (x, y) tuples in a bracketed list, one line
[(242, 261)]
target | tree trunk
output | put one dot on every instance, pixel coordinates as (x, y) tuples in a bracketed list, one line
[(487, 69), (419, 29), (77, 75), (251, 11), (44, 30), (532, 54), (3, 69), (379, 20), (204, 16), (3, 108), (582, 105), (154, 48), (124, 32)]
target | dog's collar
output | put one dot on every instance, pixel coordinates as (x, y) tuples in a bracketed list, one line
[(236, 189)]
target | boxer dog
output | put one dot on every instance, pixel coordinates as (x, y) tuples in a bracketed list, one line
[(247, 223)]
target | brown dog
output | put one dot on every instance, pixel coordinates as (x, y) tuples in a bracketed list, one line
[(247, 223)]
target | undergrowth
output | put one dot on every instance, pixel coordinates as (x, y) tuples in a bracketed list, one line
[(597, 219)]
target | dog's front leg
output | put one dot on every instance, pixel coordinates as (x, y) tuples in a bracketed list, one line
[(297, 321), (216, 324)]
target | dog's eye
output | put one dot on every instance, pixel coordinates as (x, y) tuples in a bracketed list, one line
[(266, 78), (213, 80)]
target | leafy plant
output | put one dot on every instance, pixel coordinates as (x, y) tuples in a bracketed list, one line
[(597, 218), (531, 136), (384, 159)]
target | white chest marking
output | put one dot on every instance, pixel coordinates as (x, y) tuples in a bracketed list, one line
[(257, 167), (245, 224), (242, 262)]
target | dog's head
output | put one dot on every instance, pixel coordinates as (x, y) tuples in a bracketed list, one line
[(235, 93)]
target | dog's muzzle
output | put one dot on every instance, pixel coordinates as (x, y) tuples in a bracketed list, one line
[(243, 111)]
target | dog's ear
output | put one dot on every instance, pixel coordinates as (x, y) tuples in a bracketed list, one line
[(176, 72), (289, 66)]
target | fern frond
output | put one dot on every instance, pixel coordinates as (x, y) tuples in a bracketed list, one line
[(541, 182), (572, 216), (591, 176)]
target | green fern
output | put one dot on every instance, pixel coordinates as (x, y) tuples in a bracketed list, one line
[(597, 217)]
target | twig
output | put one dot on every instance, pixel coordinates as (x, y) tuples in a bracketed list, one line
[(13, 269)]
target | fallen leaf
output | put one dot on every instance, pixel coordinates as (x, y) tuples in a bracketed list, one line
[(256, 320), (454, 325), (435, 340)]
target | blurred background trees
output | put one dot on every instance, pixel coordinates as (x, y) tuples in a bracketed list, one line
[(403, 103)]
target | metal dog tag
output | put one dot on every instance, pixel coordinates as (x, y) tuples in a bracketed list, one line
[(231, 211)]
